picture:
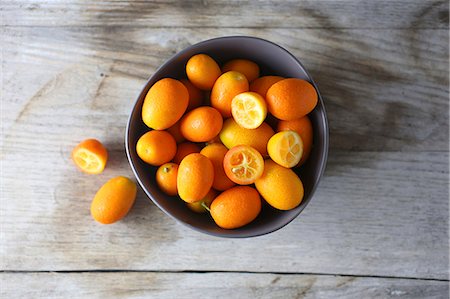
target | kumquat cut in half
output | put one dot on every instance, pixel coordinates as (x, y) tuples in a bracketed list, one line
[(285, 148), (249, 109), (90, 156), (243, 164)]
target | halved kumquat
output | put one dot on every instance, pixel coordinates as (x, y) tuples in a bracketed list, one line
[(243, 164), (249, 109), (90, 156), (285, 148)]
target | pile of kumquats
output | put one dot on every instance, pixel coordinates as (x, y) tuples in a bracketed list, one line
[(222, 139)]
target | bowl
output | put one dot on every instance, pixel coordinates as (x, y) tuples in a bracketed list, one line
[(273, 60)]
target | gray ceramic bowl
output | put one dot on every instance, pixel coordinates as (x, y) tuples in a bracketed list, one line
[(273, 60)]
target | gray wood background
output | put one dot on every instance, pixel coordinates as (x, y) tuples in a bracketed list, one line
[(377, 227)]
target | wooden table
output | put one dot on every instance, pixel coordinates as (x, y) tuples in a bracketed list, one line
[(376, 227)]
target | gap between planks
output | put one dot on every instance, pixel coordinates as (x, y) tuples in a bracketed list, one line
[(215, 271), (222, 27)]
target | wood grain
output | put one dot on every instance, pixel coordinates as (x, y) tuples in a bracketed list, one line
[(375, 213), (375, 101), (377, 226), (327, 14), (209, 285)]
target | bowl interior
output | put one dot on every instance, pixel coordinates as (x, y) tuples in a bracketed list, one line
[(273, 60)]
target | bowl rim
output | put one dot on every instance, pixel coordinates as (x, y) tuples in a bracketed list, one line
[(322, 158)]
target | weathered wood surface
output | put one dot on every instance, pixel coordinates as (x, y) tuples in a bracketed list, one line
[(384, 90), (236, 14), (72, 70), (213, 285), (374, 214)]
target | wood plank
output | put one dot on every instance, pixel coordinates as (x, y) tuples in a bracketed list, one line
[(383, 89), (375, 213), (236, 14), (213, 285)]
